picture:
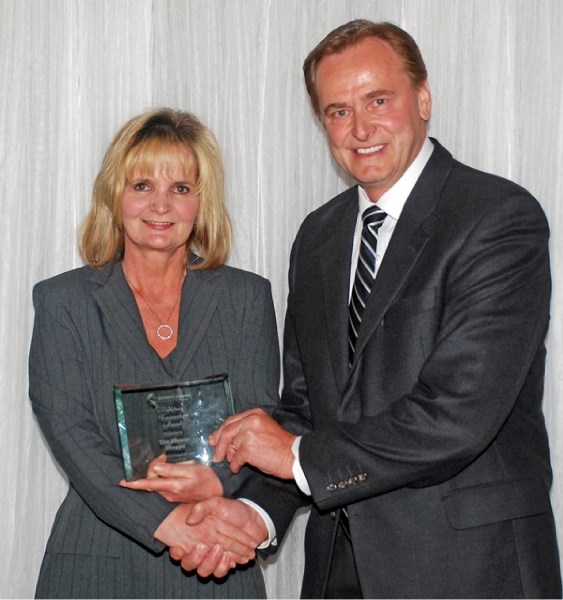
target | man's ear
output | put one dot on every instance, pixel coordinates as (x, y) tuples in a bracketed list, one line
[(424, 101)]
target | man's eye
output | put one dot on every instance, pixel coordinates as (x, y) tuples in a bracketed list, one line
[(340, 114)]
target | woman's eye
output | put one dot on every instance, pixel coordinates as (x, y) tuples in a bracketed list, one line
[(141, 186), (182, 189)]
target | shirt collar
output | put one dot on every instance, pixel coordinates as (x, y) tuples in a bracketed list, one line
[(393, 200)]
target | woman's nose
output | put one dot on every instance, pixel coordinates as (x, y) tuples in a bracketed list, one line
[(160, 202)]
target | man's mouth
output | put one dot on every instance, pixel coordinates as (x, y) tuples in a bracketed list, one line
[(371, 150)]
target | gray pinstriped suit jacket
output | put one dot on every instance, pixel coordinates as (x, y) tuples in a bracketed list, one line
[(88, 335)]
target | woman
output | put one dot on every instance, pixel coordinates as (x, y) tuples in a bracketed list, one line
[(154, 304)]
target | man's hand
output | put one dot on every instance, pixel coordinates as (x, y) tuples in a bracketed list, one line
[(178, 482), (254, 438), (227, 517), (230, 512), (208, 544)]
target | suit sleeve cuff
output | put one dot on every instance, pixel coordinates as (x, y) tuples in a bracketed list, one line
[(271, 540)]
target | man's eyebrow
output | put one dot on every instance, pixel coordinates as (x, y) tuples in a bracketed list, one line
[(369, 96), (334, 106), (378, 94)]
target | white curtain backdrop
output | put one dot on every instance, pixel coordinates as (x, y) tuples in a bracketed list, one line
[(72, 71)]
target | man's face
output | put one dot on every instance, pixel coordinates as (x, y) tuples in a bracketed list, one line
[(374, 118)]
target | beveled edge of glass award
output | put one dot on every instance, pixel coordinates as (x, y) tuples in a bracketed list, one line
[(123, 389), (122, 430), (139, 387)]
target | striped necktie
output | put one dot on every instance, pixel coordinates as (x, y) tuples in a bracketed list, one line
[(372, 219)]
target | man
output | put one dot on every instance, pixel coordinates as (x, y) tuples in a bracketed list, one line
[(423, 446)]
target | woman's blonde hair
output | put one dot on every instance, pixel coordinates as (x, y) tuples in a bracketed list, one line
[(145, 142)]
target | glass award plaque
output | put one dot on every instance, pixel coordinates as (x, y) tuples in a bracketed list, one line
[(170, 418)]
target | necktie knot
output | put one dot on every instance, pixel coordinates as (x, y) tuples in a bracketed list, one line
[(373, 217)]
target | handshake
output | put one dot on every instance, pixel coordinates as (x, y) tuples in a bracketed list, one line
[(213, 536), (207, 532)]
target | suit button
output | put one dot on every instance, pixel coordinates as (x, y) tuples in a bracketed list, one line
[(352, 480), (362, 476), (331, 487), (333, 515), (342, 485)]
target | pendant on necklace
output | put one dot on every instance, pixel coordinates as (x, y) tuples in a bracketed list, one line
[(164, 331)]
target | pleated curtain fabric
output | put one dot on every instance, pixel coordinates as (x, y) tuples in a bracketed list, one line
[(74, 71)]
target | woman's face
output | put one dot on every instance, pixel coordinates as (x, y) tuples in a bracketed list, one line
[(159, 205)]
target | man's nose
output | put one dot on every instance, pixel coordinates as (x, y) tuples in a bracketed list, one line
[(363, 125)]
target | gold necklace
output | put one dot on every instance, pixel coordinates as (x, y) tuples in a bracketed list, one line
[(164, 331)]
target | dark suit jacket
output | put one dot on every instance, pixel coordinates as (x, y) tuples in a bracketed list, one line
[(88, 335), (434, 439)]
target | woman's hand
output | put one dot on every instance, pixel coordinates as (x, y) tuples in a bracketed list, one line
[(253, 437), (209, 544), (185, 482)]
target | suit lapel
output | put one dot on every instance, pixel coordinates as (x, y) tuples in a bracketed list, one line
[(202, 290), (408, 241), (401, 255), (334, 256), (119, 308)]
